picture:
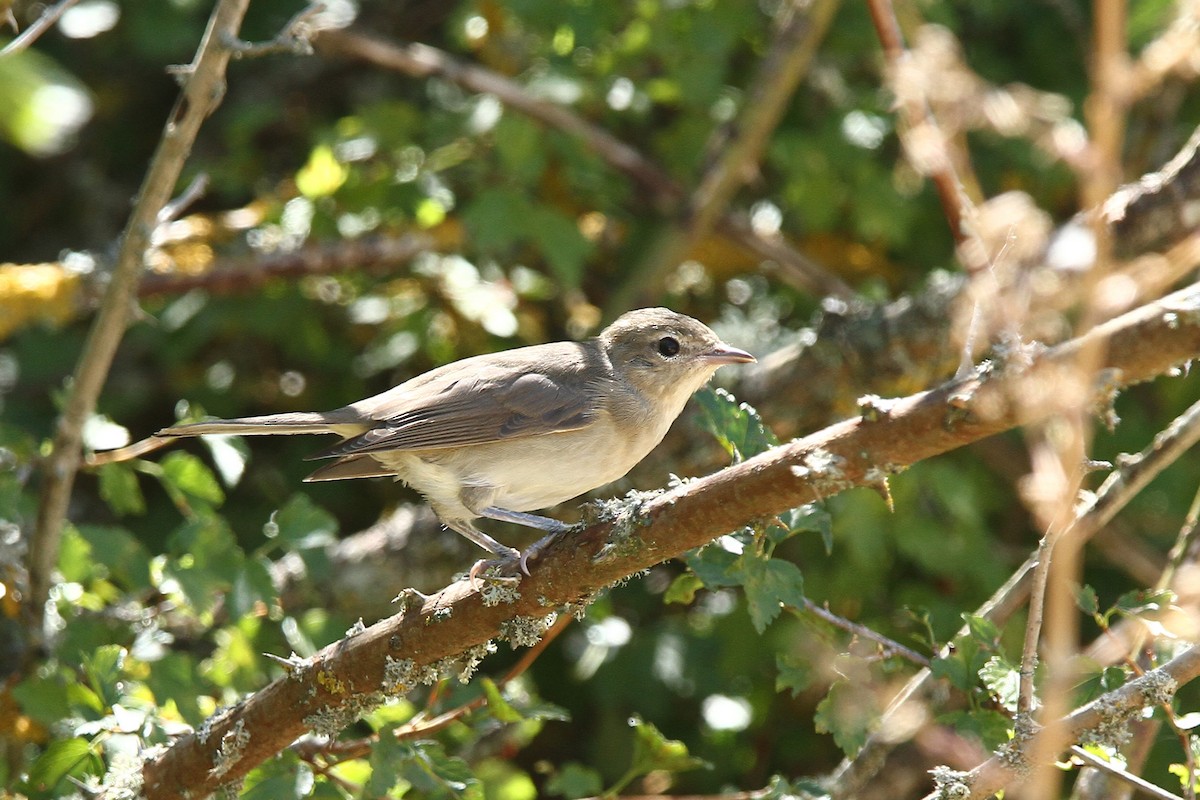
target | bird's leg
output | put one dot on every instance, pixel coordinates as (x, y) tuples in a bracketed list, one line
[(552, 526), (504, 553)]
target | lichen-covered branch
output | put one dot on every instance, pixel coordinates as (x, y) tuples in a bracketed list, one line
[(1096, 721), (451, 630)]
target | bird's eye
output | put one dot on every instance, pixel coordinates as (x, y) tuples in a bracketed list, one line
[(668, 346)]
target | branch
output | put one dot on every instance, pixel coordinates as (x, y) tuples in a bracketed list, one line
[(350, 676), (240, 274), (1114, 708), (928, 148), (40, 26), (202, 92)]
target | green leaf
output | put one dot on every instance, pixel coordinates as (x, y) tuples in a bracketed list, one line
[(44, 699), (770, 584), (807, 518), (737, 426), (103, 669), (792, 673), (60, 759), (427, 767), (119, 488), (573, 780), (188, 474), (683, 589), (653, 751), (304, 524), (75, 556), (253, 585), (1003, 680), (1086, 599), (847, 714), (983, 630), (991, 727), (501, 709), (126, 558), (715, 566), (274, 779)]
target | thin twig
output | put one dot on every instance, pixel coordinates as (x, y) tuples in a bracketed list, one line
[(39, 26), (191, 194), (1141, 784), (888, 646), (201, 93), (917, 115), (294, 39)]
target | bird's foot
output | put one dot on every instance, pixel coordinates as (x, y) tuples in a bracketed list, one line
[(492, 569), (535, 550)]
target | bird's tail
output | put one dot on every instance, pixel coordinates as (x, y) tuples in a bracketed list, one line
[(289, 423), (284, 424)]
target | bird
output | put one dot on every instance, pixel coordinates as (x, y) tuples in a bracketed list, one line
[(500, 435)]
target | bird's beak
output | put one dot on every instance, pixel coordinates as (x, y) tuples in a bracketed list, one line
[(724, 354)]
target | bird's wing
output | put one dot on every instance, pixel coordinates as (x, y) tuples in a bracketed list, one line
[(486, 402)]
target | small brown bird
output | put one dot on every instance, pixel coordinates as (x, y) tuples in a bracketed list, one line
[(501, 434)]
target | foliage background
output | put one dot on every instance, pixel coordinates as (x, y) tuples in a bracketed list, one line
[(528, 236)]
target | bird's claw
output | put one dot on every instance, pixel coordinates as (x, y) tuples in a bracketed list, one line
[(499, 563)]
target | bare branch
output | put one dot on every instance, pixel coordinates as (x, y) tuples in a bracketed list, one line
[(202, 92), (40, 26)]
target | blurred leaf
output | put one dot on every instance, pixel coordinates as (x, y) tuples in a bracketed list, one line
[(500, 708), (103, 669), (60, 759), (75, 556), (982, 630), (652, 751), (433, 773), (42, 105), (185, 473), (573, 780), (848, 714), (126, 558), (119, 488), (44, 699), (559, 239), (992, 728), (1086, 599), (792, 673), (683, 589), (497, 218), (714, 566), (252, 586), (275, 779), (304, 524), (322, 175)]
